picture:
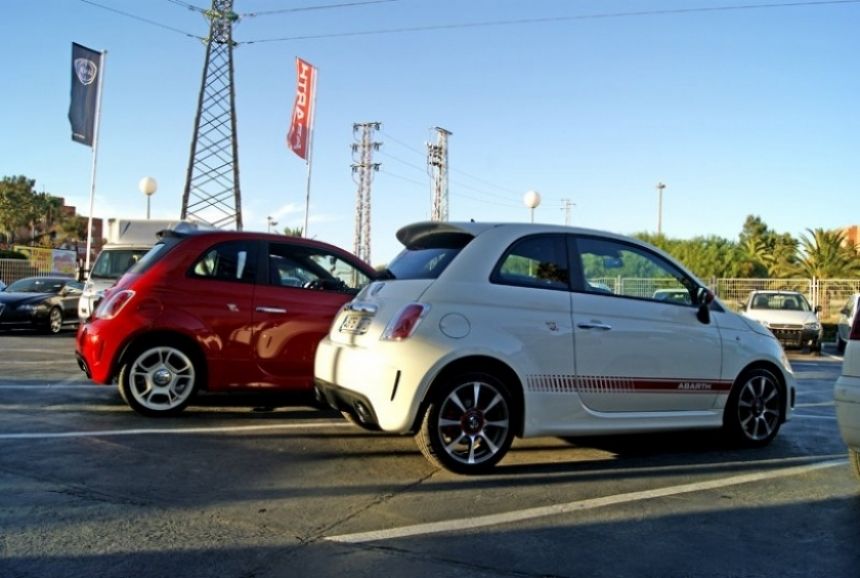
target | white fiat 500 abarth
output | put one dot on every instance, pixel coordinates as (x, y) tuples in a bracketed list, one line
[(483, 332), (846, 394)]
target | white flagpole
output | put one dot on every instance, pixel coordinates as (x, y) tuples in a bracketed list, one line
[(101, 74), (310, 150)]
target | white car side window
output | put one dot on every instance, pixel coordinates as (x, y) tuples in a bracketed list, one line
[(535, 262), (625, 270)]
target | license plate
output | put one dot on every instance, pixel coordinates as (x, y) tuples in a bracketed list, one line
[(355, 324)]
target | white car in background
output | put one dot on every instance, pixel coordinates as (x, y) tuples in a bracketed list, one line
[(484, 332), (846, 393), (846, 321), (788, 315)]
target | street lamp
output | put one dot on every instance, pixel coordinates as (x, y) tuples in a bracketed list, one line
[(270, 222), (147, 186), (531, 200), (660, 187)]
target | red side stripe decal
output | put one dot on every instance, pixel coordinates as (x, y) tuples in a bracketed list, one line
[(593, 384)]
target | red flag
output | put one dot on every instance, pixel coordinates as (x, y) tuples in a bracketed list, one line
[(301, 124)]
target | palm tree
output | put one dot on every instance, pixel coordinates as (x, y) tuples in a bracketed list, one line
[(783, 262), (754, 257), (825, 254)]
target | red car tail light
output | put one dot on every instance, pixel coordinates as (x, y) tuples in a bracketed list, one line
[(404, 324), (110, 307)]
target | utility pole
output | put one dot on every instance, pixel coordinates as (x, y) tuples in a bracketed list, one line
[(660, 187), (566, 206), (437, 167), (212, 183), (363, 168)]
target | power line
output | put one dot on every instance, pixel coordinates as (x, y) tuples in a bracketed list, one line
[(388, 136), (552, 19), (385, 171), (309, 8), (401, 161), (423, 185), (494, 201), (480, 180), (422, 154), (188, 5), (146, 20)]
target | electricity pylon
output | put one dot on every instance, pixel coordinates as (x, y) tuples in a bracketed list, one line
[(437, 166), (212, 183), (362, 170)]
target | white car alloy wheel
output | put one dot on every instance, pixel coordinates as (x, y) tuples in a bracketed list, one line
[(158, 380), (754, 410), (468, 427)]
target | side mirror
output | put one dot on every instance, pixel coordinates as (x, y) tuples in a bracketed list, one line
[(818, 308), (704, 297)]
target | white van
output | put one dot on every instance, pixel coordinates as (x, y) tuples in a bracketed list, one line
[(113, 261), (127, 241)]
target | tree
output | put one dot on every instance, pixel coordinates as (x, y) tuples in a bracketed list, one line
[(16, 194), (825, 254), (783, 261), (766, 253), (754, 228), (293, 232), (43, 211), (704, 256), (74, 230), (753, 257), (21, 207)]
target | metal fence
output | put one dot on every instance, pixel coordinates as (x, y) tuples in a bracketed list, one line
[(13, 269), (830, 294)]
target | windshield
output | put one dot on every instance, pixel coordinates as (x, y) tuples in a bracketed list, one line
[(112, 263), (780, 301), (427, 259), (153, 255), (36, 285), (421, 263)]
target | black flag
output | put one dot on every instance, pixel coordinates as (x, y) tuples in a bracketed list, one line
[(86, 70)]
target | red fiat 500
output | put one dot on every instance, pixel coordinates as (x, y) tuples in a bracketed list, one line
[(220, 311)]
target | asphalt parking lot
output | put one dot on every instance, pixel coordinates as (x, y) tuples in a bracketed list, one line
[(264, 487)]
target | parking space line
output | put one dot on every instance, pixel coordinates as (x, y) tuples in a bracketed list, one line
[(68, 384), (819, 404), (808, 416), (39, 362), (174, 431), (458, 525)]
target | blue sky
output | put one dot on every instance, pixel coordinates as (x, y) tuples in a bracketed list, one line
[(738, 111)]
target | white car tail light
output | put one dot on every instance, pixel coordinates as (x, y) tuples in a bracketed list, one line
[(855, 328), (110, 307), (403, 325)]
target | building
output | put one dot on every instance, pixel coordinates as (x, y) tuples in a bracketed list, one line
[(852, 236)]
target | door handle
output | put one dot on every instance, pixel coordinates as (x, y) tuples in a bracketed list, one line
[(593, 325), (271, 310)]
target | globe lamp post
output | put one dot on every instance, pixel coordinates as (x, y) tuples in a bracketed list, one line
[(531, 200), (147, 186)]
